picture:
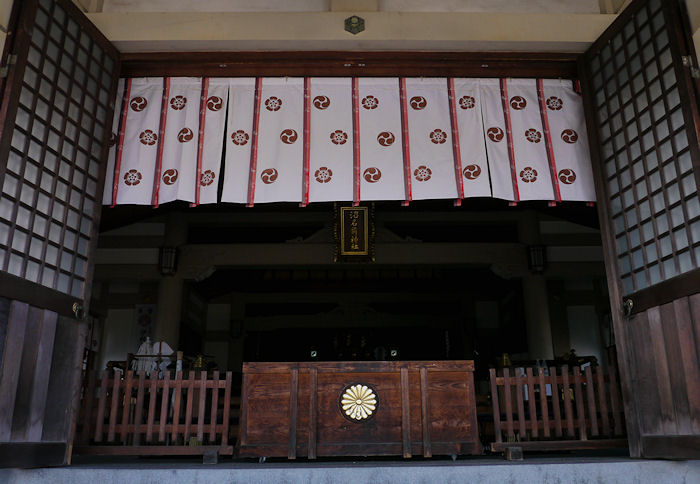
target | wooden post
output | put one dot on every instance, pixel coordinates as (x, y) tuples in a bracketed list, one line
[(126, 405), (227, 410), (509, 407), (590, 399), (425, 412), (567, 403), (602, 400), (102, 404), (164, 406), (176, 406), (313, 411), (190, 404), (293, 412), (405, 414), (495, 405), (201, 406), (138, 414), (520, 406), (114, 409), (88, 398), (153, 393), (531, 402), (543, 402), (578, 395), (556, 400), (214, 406)]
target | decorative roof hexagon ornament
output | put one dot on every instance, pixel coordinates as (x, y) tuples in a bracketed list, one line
[(358, 402), (354, 24)]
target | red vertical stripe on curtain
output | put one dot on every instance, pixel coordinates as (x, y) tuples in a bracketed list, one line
[(355, 142), (120, 144), (307, 141), (457, 154), (406, 144), (509, 138), (161, 135), (200, 139), (254, 143), (548, 140)]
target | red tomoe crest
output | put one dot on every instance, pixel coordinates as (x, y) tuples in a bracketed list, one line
[(269, 175), (418, 102), (495, 134), (533, 136), (339, 137), (472, 172), (132, 177), (422, 173), (322, 102), (372, 174), (170, 176), (323, 174), (518, 103), (207, 178), (178, 102), (138, 103), (528, 174), (569, 136), (567, 176), (214, 103), (386, 138), (185, 135), (148, 137), (288, 136)]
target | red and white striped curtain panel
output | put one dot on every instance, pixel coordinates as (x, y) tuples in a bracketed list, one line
[(347, 139)]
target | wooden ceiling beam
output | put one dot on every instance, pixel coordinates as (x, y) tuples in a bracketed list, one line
[(343, 63)]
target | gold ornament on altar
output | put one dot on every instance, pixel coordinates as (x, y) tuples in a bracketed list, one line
[(358, 402)]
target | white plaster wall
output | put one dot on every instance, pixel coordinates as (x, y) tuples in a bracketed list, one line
[(584, 331), (118, 338)]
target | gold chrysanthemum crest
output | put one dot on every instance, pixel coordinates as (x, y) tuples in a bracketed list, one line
[(358, 402)]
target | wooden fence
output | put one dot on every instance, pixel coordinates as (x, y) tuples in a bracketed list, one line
[(566, 409), (140, 415)]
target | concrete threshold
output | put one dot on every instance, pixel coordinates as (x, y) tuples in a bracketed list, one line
[(483, 470)]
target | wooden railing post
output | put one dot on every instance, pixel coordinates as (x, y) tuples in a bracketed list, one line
[(585, 396), (509, 407), (214, 407), (138, 413), (88, 398), (496, 406)]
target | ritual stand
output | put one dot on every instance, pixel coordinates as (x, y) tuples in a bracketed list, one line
[(358, 409)]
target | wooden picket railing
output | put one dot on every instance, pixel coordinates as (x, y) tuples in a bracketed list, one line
[(584, 410), (140, 415)]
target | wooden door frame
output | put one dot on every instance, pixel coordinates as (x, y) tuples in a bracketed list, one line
[(666, 291), (45, 367)]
